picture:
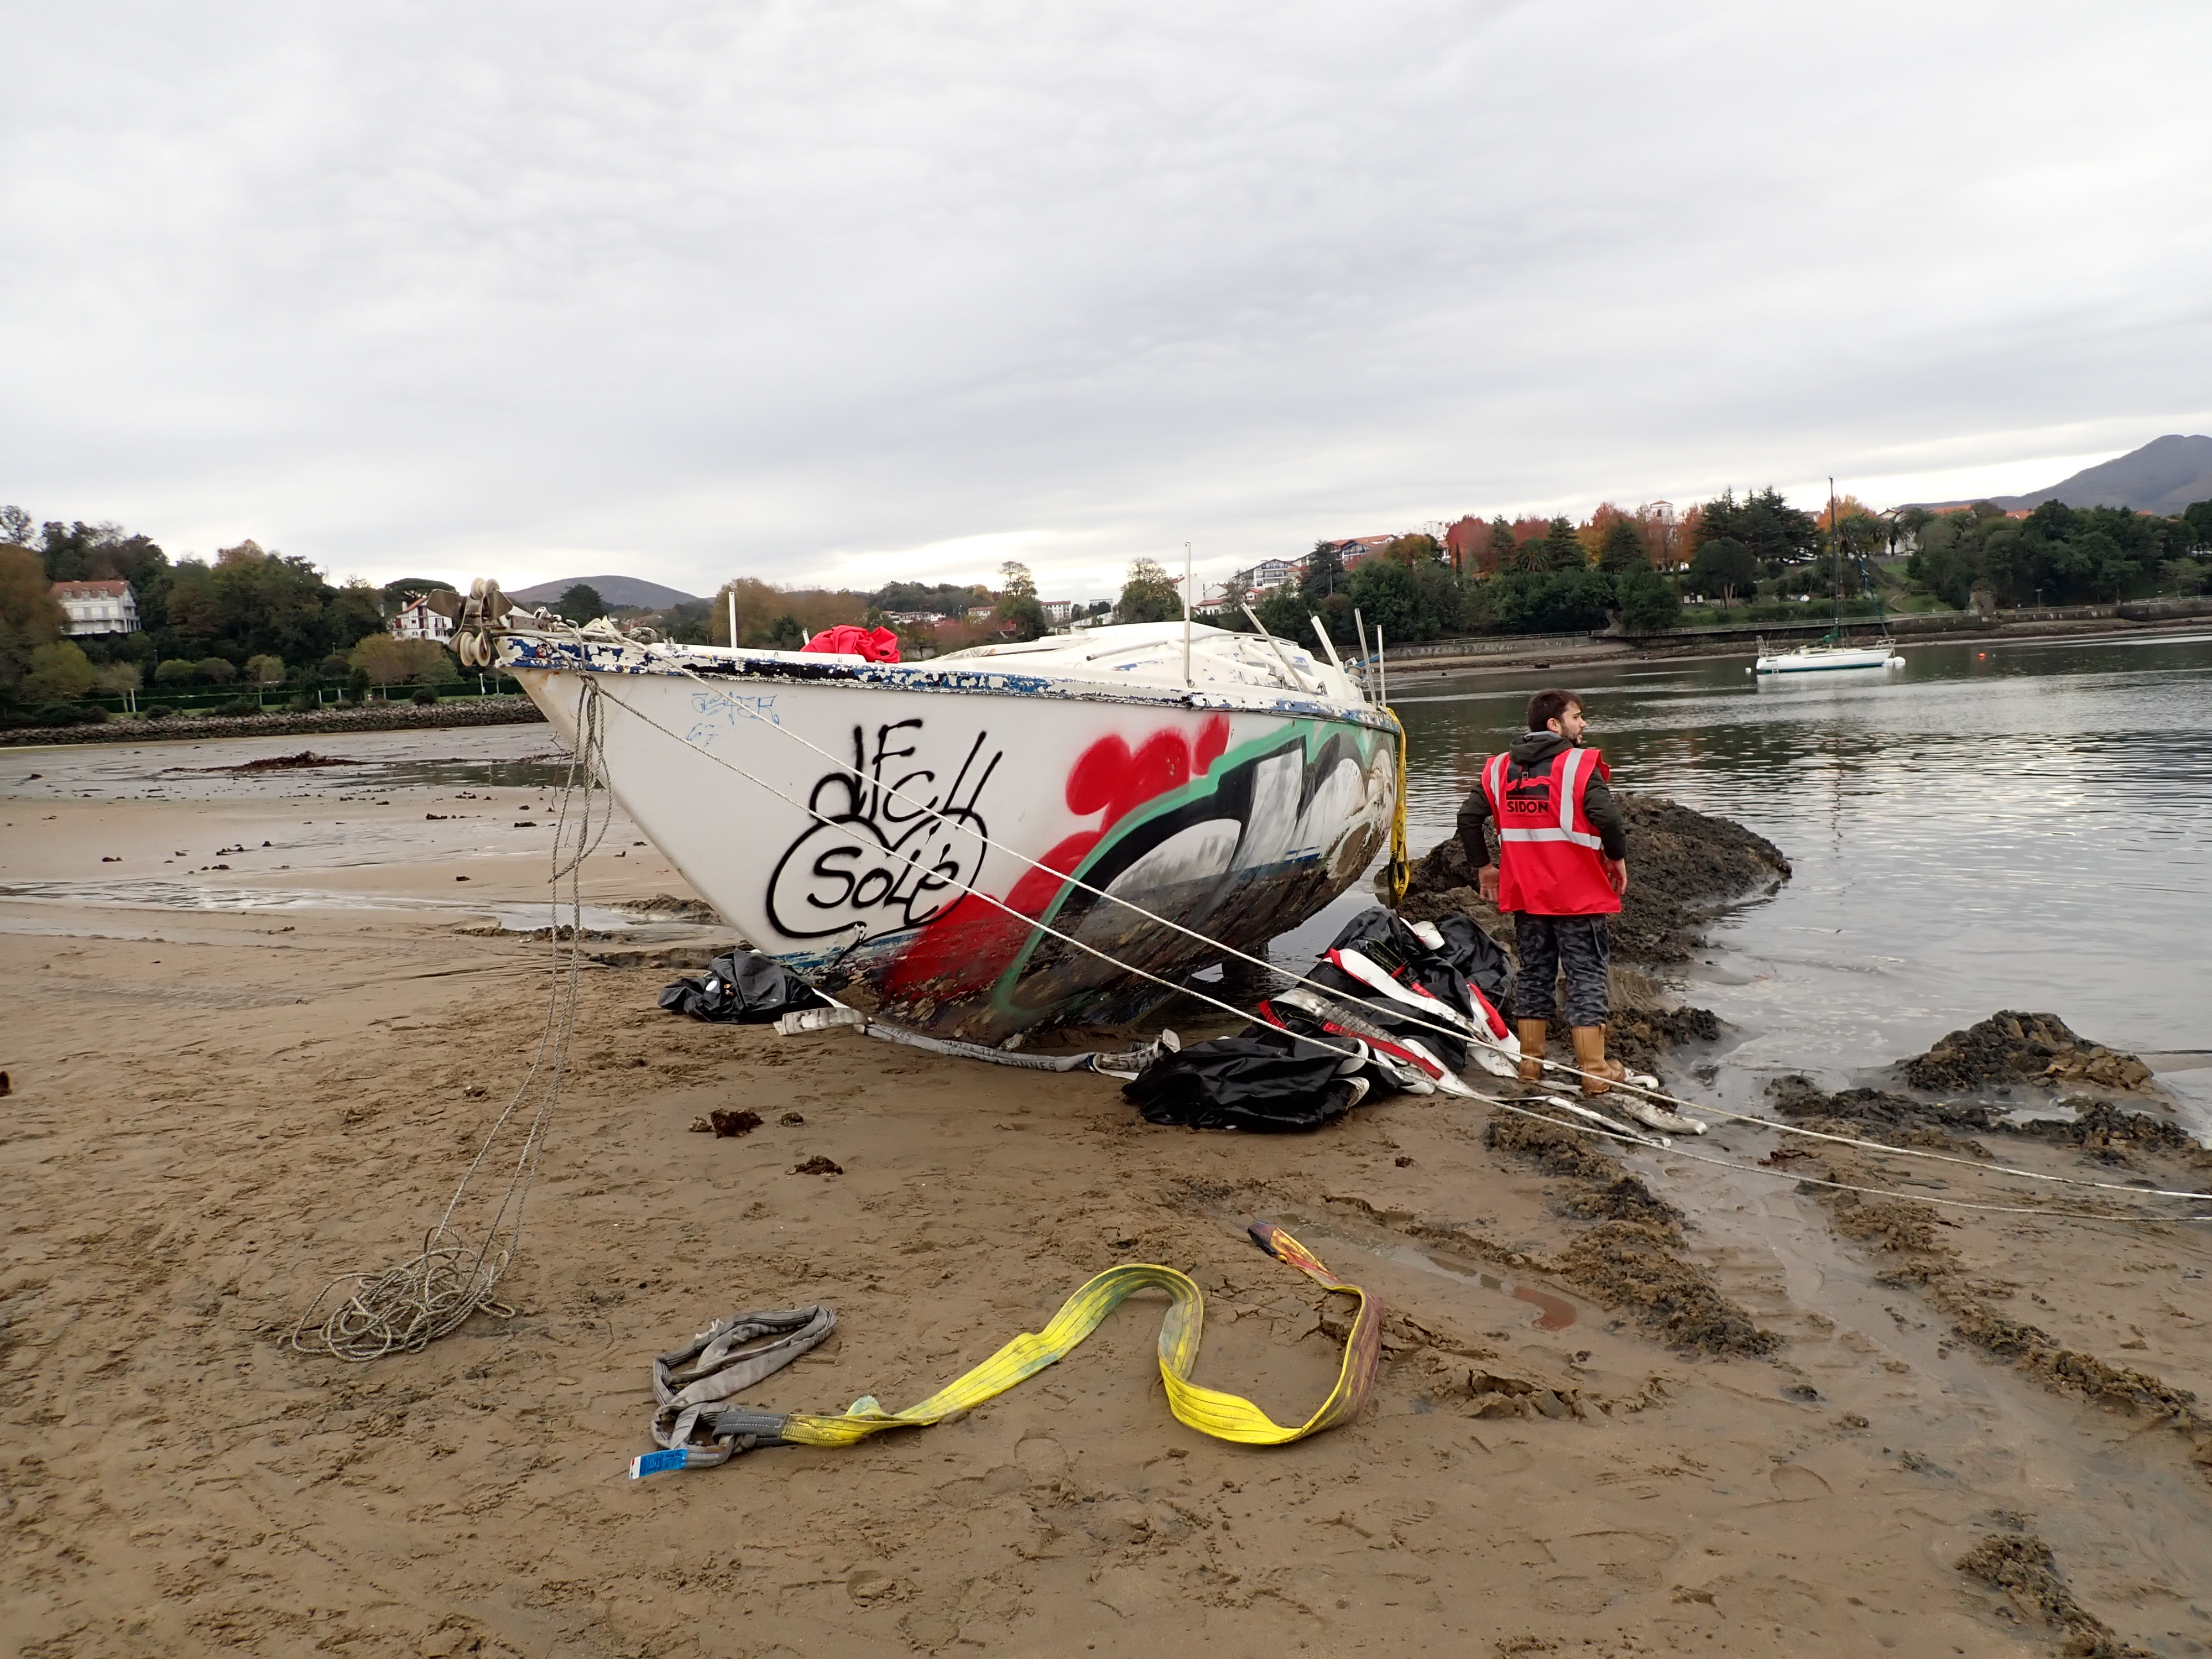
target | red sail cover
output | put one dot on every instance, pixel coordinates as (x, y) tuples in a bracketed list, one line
[(879, 646)]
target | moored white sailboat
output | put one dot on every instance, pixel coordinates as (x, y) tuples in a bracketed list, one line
[(1834, 653)]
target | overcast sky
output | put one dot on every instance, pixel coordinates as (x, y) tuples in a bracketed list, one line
[(845, 292)]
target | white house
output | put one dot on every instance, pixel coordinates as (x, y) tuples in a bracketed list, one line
[(1271, 573), (1056, 611), (415, 620), (104, 607)]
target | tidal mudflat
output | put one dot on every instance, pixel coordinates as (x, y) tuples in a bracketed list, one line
[(1633, 1401)]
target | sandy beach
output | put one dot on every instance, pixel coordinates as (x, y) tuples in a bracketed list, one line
[(256, 1024)]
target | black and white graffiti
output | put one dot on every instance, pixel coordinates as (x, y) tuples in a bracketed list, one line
[(892, 847)]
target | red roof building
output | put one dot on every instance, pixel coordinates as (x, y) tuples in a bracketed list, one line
[(101, 607)]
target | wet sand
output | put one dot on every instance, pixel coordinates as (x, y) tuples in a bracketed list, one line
[(216, 1108)]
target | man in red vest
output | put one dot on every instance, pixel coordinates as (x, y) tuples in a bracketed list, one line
[(1561, 869)]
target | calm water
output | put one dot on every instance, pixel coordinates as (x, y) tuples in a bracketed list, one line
[(1997, 826)]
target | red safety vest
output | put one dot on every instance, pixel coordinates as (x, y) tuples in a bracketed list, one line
[(1551, 859)]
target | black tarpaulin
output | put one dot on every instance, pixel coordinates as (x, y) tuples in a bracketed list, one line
[(743, 987)]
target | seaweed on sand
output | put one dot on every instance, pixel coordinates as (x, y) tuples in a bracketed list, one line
[(2022, 1565), (1633, 1257), (2011, 1046)]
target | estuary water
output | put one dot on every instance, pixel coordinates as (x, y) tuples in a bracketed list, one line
[(2003, 825)]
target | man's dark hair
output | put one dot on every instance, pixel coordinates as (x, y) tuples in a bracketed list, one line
[(1547, 706)]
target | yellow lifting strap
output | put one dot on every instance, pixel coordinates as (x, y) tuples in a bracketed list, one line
[(1401, 867), (1224, 1416)]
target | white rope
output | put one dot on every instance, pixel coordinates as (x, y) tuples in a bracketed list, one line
[(1409, 1016), (1845, 1185), (412, 1304), (1617, 1134)]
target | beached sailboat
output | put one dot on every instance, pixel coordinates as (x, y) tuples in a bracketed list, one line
[(917, 828), (1833, 652)]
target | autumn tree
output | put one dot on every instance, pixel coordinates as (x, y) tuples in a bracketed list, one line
[(1413, 549), (1020, 612), (60, 671), (30, 616), (1149, 595)]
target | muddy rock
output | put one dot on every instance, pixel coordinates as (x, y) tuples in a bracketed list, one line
[(666, 907), (1632, 1258), (1684, 867), (1631, 1265), (1626, 1200), (1554, 1151), (2022, 1566), (2107, 1133), (1796, 1098), (2011, 1046)]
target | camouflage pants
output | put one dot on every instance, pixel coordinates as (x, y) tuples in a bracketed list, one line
[(1543, 945)]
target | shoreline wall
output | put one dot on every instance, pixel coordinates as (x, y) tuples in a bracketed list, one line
[(375, 717)]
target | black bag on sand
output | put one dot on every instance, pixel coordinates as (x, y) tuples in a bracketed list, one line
[(741, 988), (1398, 951), (1477, 956), (1265, 1080)]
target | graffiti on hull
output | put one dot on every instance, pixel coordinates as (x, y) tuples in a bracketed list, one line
[(896, 842), (1239, 851)]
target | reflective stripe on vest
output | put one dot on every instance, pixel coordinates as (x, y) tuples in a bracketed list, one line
[(1565, 830)]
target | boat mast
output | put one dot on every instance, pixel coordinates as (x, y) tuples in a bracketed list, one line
[(1186, 615), (1835, 567)]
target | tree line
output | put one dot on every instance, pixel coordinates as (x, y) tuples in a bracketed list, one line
[(257, 618), (2056, 555), (249, 618)]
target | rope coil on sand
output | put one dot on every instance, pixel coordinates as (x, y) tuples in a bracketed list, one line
[(407, 1306)]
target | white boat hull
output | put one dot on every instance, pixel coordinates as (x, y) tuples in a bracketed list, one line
[(836, 812), (1820, 659)]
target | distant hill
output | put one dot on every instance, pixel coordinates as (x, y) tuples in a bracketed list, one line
[(2163, 477), (615, 589)]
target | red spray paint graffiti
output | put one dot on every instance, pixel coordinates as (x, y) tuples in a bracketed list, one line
[(971, 944)]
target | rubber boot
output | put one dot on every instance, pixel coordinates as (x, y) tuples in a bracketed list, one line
[(1532, 1050), (1599, 1073)]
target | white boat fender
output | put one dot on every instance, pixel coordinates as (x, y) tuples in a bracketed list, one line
[(1581, 1110), (1653, 1116), (819, 1020)]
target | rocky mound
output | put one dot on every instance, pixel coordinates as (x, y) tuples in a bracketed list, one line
[(2105, 1132), (1683, 866), (2010, 1047), (1797, 1098)]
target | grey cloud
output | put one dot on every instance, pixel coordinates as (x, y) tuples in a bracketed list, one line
[(796, 289)]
